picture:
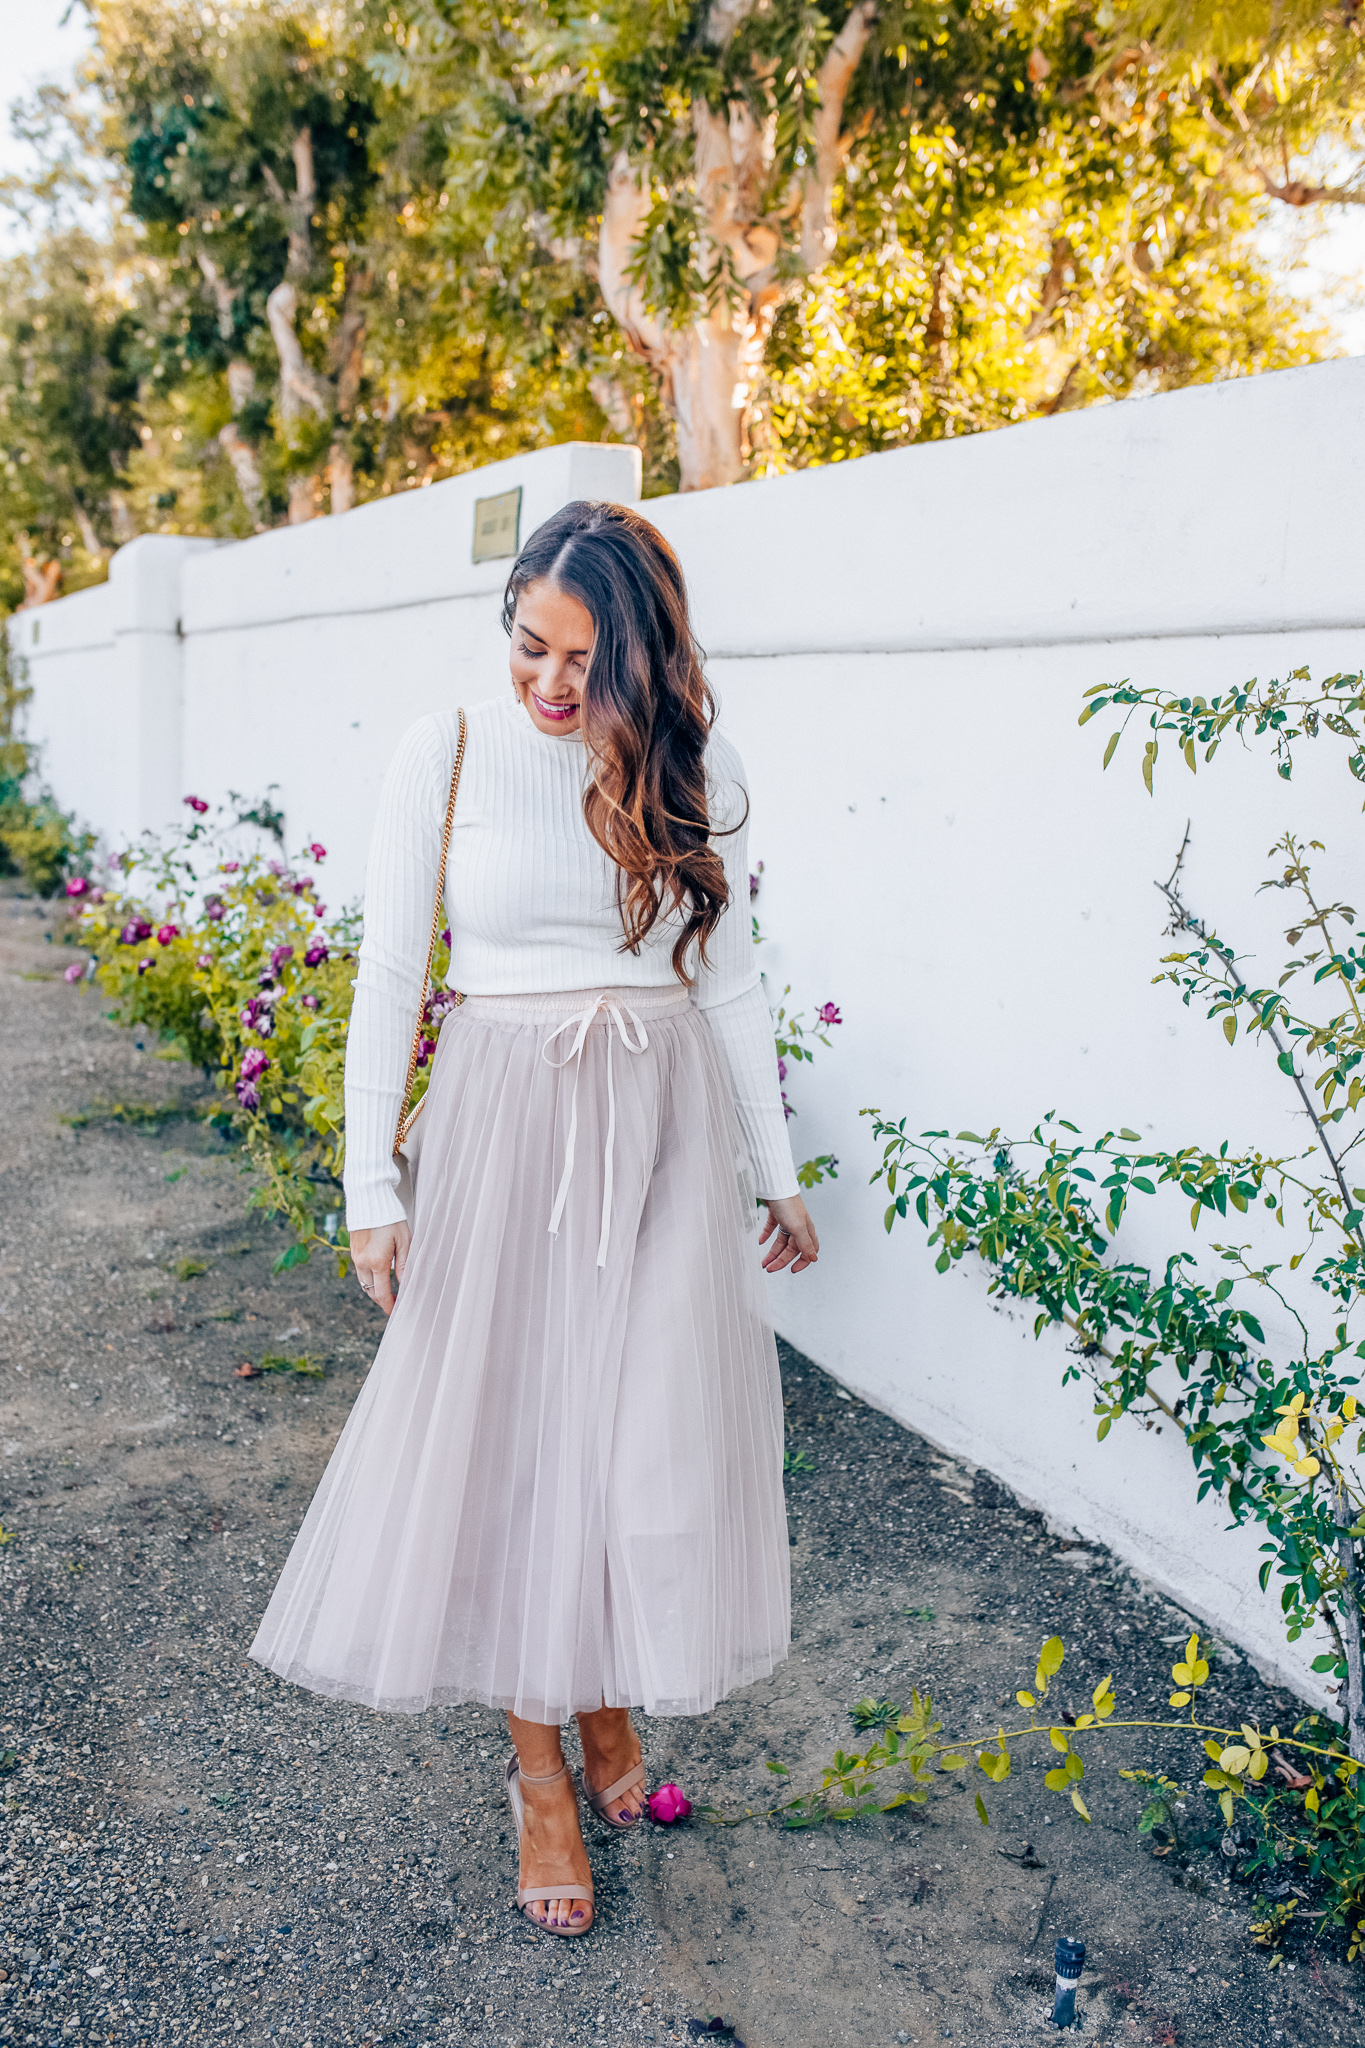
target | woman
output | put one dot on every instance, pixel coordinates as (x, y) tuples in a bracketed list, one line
[(560, 1491)]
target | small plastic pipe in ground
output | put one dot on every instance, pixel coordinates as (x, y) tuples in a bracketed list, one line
[(1068, 1962)]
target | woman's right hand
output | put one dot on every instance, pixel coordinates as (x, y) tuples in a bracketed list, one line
[(377, 1254)]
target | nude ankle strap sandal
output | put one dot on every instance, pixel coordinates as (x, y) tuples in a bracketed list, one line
[(600, 1801), (527, 1893)]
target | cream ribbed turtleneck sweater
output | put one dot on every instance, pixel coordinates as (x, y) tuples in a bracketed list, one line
[(531, 903)]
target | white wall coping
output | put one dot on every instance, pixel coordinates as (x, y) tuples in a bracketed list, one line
[(395, 553), (1023, 503)]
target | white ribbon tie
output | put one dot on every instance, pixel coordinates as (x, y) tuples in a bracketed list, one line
[(617, 1014)]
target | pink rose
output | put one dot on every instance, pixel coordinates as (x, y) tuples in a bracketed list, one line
[(79, 885), (318, 852), (205, 961), (143, 965), (166, 932), (74, 971), (668, 1805), (197, 805)]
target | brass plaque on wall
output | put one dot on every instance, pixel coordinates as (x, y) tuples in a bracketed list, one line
[(497, 522)]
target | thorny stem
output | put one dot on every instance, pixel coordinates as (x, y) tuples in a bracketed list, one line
[(1355, 1664), (1327, 1613), (979, 1743), (1321, 917), (1104, 1352), (1349, 1651), (1187, 921)]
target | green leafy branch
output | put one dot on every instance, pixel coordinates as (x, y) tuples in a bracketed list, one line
[(1237, 1759)]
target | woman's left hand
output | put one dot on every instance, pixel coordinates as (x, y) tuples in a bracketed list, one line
[(794, 1241)]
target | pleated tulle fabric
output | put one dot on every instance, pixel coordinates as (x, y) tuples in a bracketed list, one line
[(561, 1485)]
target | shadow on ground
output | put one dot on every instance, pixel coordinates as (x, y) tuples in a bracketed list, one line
[(191, 1849)]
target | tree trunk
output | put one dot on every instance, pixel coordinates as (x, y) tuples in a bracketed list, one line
[(708, 370), (301, 389), (241, 383), (93, 544), (340, 477), (42, 578)]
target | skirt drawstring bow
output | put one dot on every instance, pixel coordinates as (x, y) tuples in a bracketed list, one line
[(616, 1013)]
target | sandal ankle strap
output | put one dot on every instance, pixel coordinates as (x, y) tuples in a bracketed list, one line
[(548, 1779)]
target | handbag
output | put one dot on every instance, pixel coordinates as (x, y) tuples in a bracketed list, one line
[(406, 1138)]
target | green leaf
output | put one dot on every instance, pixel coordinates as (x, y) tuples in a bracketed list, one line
[(293, 1255), (1149, 763), (1229, 1027), (1133, 1137), (1114, 739), (1050, 1660), (981, 1812)]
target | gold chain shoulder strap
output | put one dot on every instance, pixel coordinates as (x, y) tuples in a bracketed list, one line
[(407, 1112)]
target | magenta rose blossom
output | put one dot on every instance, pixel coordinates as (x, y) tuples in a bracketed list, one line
[(197, 805), (254, 1064), (310, 1002), (134, 932), (279, 956), (79, 885), (166, 932), (828, 1014), (73, 972), (316, 954), (143, 965), (205, 960), (318, 852), (228, 867), (668, 1805)]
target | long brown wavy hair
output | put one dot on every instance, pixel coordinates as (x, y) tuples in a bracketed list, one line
[(647, 715)]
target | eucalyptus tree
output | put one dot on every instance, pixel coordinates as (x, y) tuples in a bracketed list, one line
[(1280, 84), (830, 225), (69, 364), (244, 131)]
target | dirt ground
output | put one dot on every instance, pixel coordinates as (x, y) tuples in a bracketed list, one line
[(192, 1850)]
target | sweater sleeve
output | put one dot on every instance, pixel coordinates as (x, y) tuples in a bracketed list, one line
[(400, 885), (730, 991)]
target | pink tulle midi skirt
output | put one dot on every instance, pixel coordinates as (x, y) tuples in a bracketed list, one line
[(561, 1485)]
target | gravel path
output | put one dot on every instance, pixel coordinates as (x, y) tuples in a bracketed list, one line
[(195, 1852)]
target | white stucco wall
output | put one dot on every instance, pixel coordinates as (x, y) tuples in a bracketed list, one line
[(899, 646)]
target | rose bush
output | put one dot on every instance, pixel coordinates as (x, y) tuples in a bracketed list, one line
[(230, 957)]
